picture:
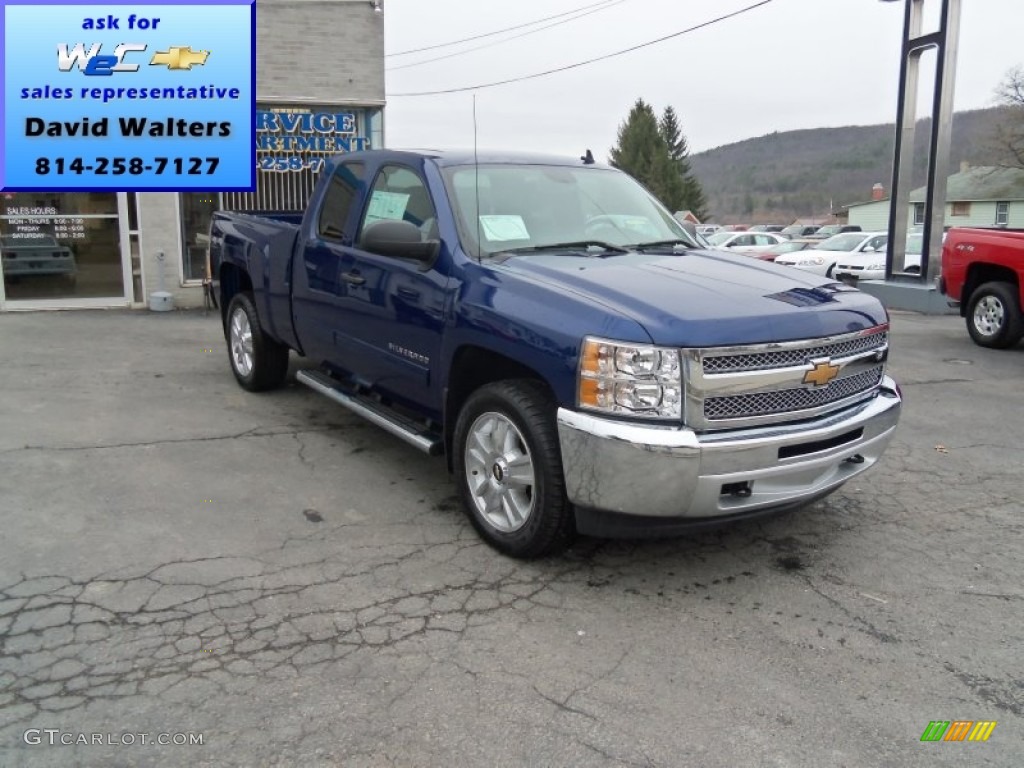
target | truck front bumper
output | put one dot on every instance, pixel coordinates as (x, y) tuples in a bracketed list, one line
[(632, 476)]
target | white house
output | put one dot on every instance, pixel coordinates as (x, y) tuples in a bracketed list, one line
[(986, 196)]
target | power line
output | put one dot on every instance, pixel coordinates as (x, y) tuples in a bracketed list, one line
[(498, 31), (604, 7), (588, 61)]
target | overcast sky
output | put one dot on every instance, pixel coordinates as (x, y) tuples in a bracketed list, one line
[(787, 65)]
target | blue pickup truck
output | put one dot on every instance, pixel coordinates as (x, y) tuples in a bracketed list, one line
[(550, 328)]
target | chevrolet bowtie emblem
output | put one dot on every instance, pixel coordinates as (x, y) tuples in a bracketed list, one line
[(179, 57), (822, 373)]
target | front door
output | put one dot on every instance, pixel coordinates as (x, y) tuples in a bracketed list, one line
[(393, 309)]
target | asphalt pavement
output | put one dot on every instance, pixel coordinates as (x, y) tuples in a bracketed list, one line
[(184, 561)]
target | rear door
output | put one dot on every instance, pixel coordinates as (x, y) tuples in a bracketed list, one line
[(392, 308), (319, 289)]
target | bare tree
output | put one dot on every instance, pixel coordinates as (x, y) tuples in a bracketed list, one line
[(1009, 132)]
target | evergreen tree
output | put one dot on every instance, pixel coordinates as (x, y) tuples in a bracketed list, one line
[(691, 195), (640, 150), (655, 154)]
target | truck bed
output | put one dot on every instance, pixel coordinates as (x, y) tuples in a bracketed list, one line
[(260, 244)]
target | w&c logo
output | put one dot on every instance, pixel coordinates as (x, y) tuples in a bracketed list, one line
[(89, 61)]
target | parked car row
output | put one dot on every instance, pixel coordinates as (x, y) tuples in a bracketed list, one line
[(793, 230), (822, 257), (745, 242)]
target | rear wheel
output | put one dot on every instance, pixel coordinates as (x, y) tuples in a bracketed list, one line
[(994, 315), (258, 361), (508, 467)]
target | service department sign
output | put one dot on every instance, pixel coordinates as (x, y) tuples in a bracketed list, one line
[(298, 141)]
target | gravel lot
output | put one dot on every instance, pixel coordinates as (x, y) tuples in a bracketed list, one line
[(300, 589)]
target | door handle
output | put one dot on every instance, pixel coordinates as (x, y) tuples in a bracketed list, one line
[(408, 293), (353, 278)]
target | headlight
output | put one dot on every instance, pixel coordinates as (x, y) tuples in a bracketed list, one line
[(630, 379), (811, 261)]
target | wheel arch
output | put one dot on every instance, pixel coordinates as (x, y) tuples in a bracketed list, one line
[(473, 367), (980, 273), (233, 279)]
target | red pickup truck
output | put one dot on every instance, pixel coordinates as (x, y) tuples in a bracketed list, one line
[(983, 273)]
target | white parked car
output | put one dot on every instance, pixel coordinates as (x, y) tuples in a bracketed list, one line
[(871, 265), (822, 259), (742, 242)]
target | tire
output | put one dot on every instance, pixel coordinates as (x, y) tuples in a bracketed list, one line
[(508, 467), (830, 272), (258, 361), (994, 317)]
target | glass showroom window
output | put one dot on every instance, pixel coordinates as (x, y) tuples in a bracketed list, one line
[(60, 246), (196, 212)]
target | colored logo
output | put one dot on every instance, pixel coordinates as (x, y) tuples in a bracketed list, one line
[(92, 62), (179, 57), (822, 373), (958, 730)]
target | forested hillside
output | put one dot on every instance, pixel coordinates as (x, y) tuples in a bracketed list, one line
[(783, 176)]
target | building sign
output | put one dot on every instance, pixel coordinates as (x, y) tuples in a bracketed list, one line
[(300, 141), (155, 95)]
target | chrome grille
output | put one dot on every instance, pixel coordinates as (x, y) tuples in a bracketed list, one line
[(783, 358), (790, 400)]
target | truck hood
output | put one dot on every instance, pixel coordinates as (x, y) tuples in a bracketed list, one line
[(707, 298)]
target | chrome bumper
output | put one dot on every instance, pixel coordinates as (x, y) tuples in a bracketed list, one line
[(668, 472)]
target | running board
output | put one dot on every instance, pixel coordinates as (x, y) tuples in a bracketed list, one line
[(415, 434)]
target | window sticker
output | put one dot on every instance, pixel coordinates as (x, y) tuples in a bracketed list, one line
[(501, 227), (386, 206)]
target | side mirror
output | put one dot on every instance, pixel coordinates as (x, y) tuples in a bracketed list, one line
[(399, 239)]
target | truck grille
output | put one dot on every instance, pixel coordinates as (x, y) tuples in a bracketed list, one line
[(790, 400), (772, 383), (781, 358)]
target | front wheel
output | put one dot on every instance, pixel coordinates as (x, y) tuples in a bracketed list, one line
[(508, 468), (258, 361), (994, 317)]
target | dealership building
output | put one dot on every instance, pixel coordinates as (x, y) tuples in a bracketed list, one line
[(319, 92)]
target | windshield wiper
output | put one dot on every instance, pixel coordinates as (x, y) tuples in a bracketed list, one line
[(579, 245), (661, 244)]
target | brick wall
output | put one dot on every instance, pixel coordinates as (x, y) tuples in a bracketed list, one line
[(319, 50)]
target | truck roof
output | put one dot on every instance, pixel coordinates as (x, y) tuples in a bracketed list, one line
[(452, 157)]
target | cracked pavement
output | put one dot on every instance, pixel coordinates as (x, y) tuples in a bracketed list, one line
[(180, 556)]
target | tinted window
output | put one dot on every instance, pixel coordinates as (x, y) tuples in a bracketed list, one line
[(343, 190)]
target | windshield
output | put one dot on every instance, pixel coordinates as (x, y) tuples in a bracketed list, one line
[(532, 206), (847, 241), (720, 237)]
